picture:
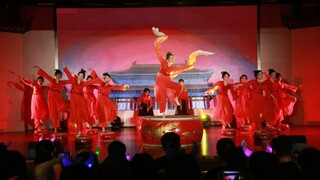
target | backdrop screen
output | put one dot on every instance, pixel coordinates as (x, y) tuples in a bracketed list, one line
[(111, 39)]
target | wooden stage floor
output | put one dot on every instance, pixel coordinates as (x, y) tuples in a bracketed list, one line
[(133, 141)]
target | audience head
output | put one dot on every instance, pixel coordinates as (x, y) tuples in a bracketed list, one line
[(171, 141), (309, 162), (44, 151), (282, 146), (142, 166), (182, 166), (225, 149), (117, 148), (76, 171), (12, 165), (263, 166)]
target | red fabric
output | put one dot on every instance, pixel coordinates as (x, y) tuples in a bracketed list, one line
[(91, 99), (224, 109), (287, 101), (242, 105), (146, 99), (257, 101), (56, 102), (78, 105), (106, 110), (272, 111), (39, 107)]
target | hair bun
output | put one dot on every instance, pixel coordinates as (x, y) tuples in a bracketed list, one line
[(222, 72)]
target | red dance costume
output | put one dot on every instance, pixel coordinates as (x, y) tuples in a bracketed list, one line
[(39, 106), (272, 111), (287, 101), (145, 104), (242, 105), (224, 109), (56, 102), (258, 91), (78, 105), (164, 86), (91, 99), (106, 110)]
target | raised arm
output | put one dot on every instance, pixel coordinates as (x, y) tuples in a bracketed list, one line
[(26, 81), (42, 73), (95, 76), (122, 87), (161, 37), (288, 87), (213, 88)]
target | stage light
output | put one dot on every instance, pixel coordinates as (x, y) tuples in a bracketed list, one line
[(205, 120)]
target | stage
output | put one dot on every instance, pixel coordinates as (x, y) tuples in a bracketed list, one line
[(133, 141)]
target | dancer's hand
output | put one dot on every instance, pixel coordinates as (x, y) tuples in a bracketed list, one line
[(62, 62)]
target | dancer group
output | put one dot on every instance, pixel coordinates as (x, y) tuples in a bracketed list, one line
[(262, 102), (256, 100)]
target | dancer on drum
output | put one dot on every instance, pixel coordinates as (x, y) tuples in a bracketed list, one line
[(79, 113), (224, 109), (287, 101), (164, 86), (145, 103), (91, 101), (56, 103), (183, 100), (39, 106), (106, 110), (241, 110)]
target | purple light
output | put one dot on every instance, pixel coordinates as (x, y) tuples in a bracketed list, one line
[(268, 148), (128, 157), (245, 149)]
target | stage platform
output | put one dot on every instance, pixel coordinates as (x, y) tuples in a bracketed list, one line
[(131, 137)]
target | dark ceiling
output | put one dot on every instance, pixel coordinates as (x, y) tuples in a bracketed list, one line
[(303, 13)]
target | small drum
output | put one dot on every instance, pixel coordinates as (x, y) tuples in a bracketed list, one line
[(228, 132), (40, 133), (246, 129), (83, 141), (188, 127), (91, 132), (62, 137), (260, 137), (107, 136), (72, 128)]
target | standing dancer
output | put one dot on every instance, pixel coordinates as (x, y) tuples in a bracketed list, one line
[(56, 102), (164, 86), (91, 101), (183, 100), (106, 110), (287, 101), (39, 106), (258, 93), (273, 113), (224, 109), (145, 103), (241, 110), (78, 104)]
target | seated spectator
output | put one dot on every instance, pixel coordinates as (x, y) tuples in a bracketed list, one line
[(309, 162), (226, 150), (283, 148), (46, 167), (115, 166), (12, 165), (142, 167), (263, 166), (182, 166), (76, 171)]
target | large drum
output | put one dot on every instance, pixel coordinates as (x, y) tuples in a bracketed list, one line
[(189, 128)]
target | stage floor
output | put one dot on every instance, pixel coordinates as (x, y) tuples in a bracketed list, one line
[(133, 141)]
